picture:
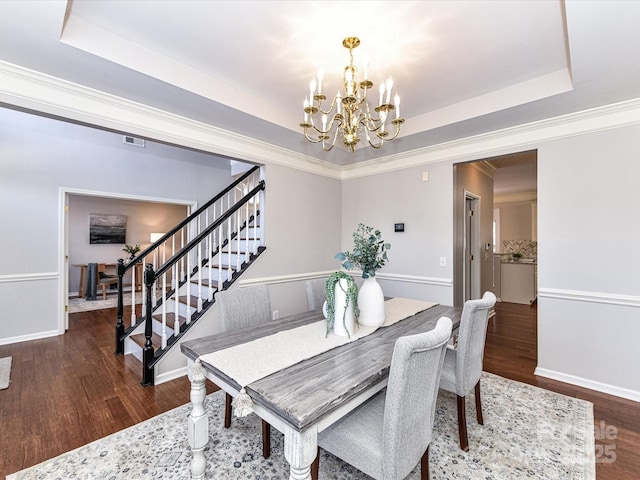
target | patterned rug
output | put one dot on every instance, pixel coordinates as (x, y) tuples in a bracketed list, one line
[(77, 304), (528, 433)]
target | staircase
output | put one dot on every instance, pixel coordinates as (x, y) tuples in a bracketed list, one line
[(183, 270)]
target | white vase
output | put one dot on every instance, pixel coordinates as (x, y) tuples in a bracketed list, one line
[(371, 303), (344, 323)]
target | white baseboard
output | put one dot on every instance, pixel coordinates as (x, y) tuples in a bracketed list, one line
[(26, 338), (590, 384), (172, 375)]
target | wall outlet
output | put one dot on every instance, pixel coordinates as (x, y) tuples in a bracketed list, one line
[(275, 315), (443, 261)]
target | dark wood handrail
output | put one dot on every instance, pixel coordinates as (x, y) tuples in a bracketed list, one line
[(169, 234), (196, 240)]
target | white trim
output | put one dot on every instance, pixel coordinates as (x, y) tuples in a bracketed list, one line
[(593, 297), (33, 90), (28, 338), (168, 376), (28, 277), (441, 282), (295, 277), (590, 384), (298, 277)]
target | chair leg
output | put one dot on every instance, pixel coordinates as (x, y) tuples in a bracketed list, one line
[(315, 466), (462, 424), (227, 411), (479, 405), (424, 465), (266, 439)]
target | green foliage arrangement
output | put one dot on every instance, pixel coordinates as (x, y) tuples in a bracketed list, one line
[(369, 251), (352, 298), (131, 250)]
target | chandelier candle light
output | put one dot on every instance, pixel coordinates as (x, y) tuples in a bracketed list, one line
[(351, 112)]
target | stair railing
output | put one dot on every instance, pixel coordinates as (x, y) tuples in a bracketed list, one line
[(233, 219), (167, 247)]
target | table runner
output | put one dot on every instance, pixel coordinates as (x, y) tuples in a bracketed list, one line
[(251, 361)]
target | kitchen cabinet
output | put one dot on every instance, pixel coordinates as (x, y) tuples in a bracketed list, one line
[(518, 282)]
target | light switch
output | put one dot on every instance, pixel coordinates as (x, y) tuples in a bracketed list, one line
[(425, 176), (443, 261)]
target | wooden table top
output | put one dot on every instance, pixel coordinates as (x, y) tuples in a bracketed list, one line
[(303, 393)]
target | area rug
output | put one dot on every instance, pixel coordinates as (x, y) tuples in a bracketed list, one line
[(528, 433), (5, 372), (83, 305)]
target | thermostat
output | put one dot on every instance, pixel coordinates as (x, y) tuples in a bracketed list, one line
[(398, 227)]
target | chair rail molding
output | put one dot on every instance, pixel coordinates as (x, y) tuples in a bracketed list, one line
[(593, 297)]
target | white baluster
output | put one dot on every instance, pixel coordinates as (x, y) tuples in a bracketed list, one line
[(210, 265), (247, 254), (176, 304), (154, 298), (229, 230), (189, 289), (164, 310), (200, 277), (182, 274), (219, 257), (133, 297), (238, 235), (174, 279)]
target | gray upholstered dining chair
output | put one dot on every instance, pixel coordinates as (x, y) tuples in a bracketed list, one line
[(463, 365), (316, 293), (240, 308), (389, 434)]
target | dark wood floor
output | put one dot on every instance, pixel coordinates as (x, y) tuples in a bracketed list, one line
[(70, 390)]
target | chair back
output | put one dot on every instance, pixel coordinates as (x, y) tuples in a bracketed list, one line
[(471, 339), (316, 293), (410, 400), (242, 307)]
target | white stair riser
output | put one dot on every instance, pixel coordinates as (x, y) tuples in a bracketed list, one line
[(196, 291), (245, 245)]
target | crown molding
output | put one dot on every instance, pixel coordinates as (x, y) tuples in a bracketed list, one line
[(498, 142), (36, 91), (31, 90)]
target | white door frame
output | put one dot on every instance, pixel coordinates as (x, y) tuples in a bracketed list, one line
[(63, 228)]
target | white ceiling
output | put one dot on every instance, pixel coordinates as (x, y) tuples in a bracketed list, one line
[(461, 67)]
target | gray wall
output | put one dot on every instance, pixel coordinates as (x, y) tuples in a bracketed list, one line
[(425, 208), (40, 158), (588, 268)]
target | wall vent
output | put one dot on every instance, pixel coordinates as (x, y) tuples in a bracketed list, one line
[(138, 142)]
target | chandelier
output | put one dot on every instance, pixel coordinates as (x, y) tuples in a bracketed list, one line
[(352, 115)]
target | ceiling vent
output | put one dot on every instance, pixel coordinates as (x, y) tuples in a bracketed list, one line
[(138, 142)]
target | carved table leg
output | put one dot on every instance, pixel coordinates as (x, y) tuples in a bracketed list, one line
[(300, 449), (197, 422)]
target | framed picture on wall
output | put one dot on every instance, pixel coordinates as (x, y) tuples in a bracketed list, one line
[(107, 228)]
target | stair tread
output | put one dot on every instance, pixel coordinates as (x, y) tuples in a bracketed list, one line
[(205, 282), (194, 300)]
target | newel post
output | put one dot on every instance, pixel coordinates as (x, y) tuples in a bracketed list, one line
[(120, 323), (147, 351)]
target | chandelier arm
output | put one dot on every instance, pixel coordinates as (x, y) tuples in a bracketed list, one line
[(355, 115)]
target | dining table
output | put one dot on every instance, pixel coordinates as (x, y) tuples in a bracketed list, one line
[(298, 396)]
